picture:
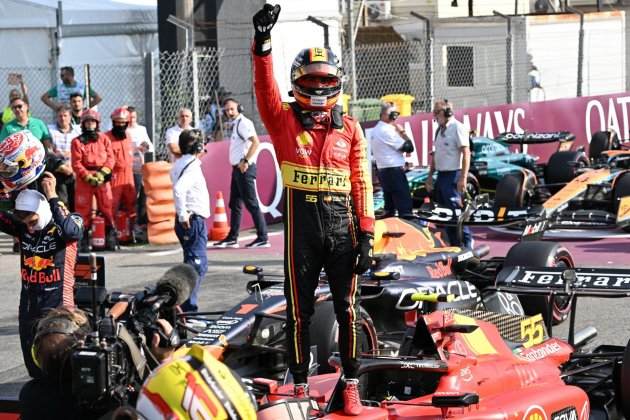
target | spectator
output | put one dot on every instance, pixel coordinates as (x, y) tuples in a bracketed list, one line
[(7, 113), (60, 94), (62, 133), (389, 145), (142, 144), (123, 190), (451, 161), (243, 145), (184, 120), (23, 121), (47, 257), (92, 161), (76, 105), (213, 123), (192, 207)]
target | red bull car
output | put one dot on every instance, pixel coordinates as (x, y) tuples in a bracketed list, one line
[(477, 365)]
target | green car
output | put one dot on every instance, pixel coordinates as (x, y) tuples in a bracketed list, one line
[(492, 160)]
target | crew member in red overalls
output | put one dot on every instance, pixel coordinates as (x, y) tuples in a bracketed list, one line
[(123, 188), (92, 162)]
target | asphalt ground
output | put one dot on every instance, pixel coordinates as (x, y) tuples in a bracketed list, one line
[(133, 268)]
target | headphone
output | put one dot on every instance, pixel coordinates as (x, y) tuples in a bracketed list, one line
[(193, 147), (448, 111), (392, 112), (239, 107)]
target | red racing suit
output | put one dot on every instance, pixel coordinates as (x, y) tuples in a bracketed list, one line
[(328, 188), (47, 260), (88, 156), (123, 188)]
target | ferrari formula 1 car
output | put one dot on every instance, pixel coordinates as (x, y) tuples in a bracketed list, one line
[(492, 159), (410, 260), (598, 197), (480, 365)]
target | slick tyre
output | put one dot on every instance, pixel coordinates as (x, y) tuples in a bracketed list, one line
[(324, 331), (562, 167), (542, 254), (620, 190), (513, 192), (600, 142)]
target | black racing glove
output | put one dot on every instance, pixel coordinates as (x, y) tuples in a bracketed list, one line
[(364, 253), (264, 20)]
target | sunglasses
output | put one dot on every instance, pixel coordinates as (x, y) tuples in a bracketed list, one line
[(17, 106)]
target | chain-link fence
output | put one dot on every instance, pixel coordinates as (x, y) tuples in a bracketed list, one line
[(121, 84)]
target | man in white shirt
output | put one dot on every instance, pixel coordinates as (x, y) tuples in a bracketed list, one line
[(62, 134), (389, 145), (141, 145), (192, 206), (184, 120), (243, 147), (451, 161)]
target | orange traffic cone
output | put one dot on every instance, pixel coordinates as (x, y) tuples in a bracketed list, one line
[(220, 228)]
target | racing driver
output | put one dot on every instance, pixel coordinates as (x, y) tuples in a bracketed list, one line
[(48, 235), (328, 215)]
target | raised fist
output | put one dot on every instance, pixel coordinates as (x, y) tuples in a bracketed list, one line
[(265, 19)]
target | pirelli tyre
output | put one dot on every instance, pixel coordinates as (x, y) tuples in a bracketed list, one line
[(563, 166), (600, 142), (542, 254), (514, 191), (621, 188), (472, 185), (324, 331)]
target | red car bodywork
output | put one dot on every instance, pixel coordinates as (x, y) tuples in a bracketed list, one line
[(512, 380)]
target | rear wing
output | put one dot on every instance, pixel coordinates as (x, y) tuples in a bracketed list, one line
[(595, 282), (535, 137)]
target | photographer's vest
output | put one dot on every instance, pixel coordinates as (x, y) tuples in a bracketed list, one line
[(64, 91)]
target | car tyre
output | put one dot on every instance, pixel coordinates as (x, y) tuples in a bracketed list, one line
[(324, 332), (600, 142), (621, 189), (542, 254), (562, 167), (513, 191), (623, 385)]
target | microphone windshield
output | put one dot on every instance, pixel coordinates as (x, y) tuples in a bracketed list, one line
[(178, 283)]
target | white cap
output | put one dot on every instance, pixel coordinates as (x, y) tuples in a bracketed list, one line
[(30, 200)]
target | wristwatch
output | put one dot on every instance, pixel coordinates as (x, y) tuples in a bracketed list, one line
[(245, 161)]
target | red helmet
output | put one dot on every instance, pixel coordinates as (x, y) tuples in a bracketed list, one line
[(90, 114), (121, 114), (316, 78)]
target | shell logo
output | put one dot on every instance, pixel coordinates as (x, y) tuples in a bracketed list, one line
[(304, 139), (535, 412)]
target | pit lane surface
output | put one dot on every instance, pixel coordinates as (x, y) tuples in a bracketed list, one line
[(133, 268)]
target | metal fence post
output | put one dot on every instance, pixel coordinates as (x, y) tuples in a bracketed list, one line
[(324, 25), (149, 97), (353, 58), (195, 83), (428, 56), (580, 49), (508, 57)]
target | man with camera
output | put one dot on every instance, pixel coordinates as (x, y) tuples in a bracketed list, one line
[(389, 145)]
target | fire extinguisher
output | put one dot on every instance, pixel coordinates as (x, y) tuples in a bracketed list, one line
[(122, 226), (98, 232)]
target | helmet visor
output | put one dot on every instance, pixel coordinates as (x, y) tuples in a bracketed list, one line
[(317, 69)]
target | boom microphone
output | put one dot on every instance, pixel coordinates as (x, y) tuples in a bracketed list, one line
[(177, 283)]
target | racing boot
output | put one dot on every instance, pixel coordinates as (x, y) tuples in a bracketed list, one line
[(300, 390), (351, 399)]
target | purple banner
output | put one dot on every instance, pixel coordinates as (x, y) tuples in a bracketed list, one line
[(581, 116)]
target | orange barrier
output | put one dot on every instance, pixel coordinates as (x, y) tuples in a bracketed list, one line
[(160, 205), (220, 228)]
